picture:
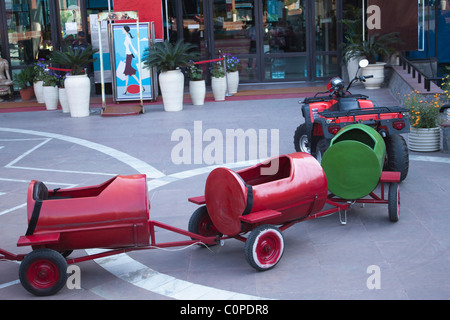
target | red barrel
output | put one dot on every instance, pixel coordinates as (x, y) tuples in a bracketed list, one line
[(110, 215), (296, 187)]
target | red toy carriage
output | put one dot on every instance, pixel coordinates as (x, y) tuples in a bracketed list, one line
[(261, 200)]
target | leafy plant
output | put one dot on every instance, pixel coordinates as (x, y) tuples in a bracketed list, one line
[(50, 79), (167, 56), (38, 71), (422, 113), (194, 72), (76, 60), (374, 48), (231, 62), (25, 77), (217, 70)]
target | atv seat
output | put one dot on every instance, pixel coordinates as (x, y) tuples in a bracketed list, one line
[(348, 103)]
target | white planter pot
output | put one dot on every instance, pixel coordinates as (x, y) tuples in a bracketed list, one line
[(233, 82), (377, 70), (172, 89), (51, 97), (37, 86), (424, 139), (219, 88), (63, 100), (78, 90), (197, 90), (352, 68)]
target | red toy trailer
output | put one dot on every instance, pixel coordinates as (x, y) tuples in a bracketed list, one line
[(60, 221), (115, 215)]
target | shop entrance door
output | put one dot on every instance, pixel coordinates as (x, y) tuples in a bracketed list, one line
[(275, 40)]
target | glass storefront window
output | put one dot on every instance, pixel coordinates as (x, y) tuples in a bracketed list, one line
[(326, 25), (284, 26), (29, 32), (327, 66), (285, 68), (70, 20)]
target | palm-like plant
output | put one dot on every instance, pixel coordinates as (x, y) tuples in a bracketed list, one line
[(167, 56), (375, 47), (76, 59)]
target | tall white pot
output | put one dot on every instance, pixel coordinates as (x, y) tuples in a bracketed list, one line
[(233, 82), (38, 91), (197, 90), (172, 88), (50, 97), (377, 70), (63, 100), (219, 87), (78, 90)]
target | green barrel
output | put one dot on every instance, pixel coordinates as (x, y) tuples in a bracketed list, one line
[(354, 161)]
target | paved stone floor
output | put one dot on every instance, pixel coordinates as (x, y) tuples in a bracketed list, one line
[(322, 260)]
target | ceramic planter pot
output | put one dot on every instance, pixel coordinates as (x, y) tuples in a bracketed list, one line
[(63, 100), (377, 70), (51, 97), (172, 88), (78, 90), (219, 88), (37, 86), (26, 93), (424, 139), (197, 90), (233, 82)]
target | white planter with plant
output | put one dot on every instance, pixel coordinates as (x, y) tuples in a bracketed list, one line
[(374, 48), (50, 90), (197, 86), (77, 84), (218, 81), (169, 58), (38, 74), (232, 65)]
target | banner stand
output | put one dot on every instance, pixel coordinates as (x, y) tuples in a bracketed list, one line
[(118, 110)]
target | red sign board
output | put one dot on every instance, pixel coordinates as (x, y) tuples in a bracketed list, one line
[(386, 16)]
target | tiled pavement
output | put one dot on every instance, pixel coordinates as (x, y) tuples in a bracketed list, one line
[(322, 260)]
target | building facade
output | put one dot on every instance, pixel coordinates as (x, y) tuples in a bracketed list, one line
[(276, 40)]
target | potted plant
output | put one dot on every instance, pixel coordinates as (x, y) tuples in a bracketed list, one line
[(352, 34), (38, 74), (197, 86), (25, 82), (77, 84), (168, 58), (424, 116), (375, 49), (218, 81), (232, 65), (50, 89)]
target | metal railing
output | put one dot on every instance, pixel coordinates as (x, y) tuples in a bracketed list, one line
[(415, 72)]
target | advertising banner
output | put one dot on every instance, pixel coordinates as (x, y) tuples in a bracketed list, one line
[(386, 16)]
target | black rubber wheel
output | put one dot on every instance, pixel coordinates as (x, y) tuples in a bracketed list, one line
[(264, 247), (301, 141), (43, 272), (397, 155), (321, 146), (394, 202), (200, 223)]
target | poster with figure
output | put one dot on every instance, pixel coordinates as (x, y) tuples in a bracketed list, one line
[(125, 61)]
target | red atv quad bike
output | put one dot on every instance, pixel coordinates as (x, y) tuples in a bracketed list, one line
[(326, 115)]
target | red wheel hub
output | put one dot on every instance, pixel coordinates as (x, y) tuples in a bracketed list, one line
[(268, 248), (43, 274)]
